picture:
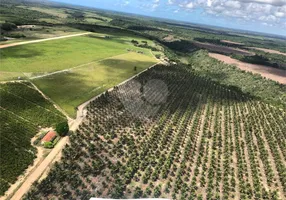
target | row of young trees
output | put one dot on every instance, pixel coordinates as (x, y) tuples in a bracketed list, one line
[(206, 141)]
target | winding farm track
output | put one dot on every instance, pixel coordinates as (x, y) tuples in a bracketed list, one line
[(41, 40), (41, 168)]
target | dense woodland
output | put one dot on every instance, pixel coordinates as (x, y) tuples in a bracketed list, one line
[(253, 84), (266, 59)]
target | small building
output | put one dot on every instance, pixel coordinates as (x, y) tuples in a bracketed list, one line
[(49, 137)]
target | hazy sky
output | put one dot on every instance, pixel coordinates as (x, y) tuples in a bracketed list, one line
[(256, 15)]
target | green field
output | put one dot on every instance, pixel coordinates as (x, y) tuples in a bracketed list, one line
[(94, 64), (22, 111), (62, 54), (40, 32), (60, 13), (72, 88)]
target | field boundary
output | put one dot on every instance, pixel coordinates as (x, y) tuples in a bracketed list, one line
[(76, 67)]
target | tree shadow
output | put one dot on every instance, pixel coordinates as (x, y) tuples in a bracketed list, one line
[(108, 37), (21, 51), (87, 82), (182, 46), (186, 91)]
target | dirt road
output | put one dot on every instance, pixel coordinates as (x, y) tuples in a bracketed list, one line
[(41, 40), (38, 172), (278, 75)]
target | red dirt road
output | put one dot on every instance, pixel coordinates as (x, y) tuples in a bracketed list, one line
[(278, 75)]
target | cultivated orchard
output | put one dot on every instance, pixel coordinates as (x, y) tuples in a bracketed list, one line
[(182, 137)]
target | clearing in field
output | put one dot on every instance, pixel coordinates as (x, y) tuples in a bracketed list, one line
[(231, 42), (278, 75), (54, 55), (71, 88)]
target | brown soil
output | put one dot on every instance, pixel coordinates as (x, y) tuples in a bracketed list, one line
[(278, 75), (246, 149), (199, 138), (222, 49), (268, 50), (170, 38), (267, 146), (234, 163)]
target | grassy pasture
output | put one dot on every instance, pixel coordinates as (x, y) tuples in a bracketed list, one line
[(72, 88), (65, 53), (93, 20), (51, 11), (6, 76), (40, 32)]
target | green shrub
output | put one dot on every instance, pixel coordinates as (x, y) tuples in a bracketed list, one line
[(48, 145), (15, 35)]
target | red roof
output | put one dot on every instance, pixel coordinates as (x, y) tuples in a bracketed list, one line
[(49, 136)]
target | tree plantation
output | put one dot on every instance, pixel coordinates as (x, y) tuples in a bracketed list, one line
[(23, 110), (204, 141)]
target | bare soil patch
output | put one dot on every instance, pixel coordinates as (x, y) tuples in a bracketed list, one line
[(278, 75), (222, 49), (231, 42), (26, 26), (170, 38), (268, 50)]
